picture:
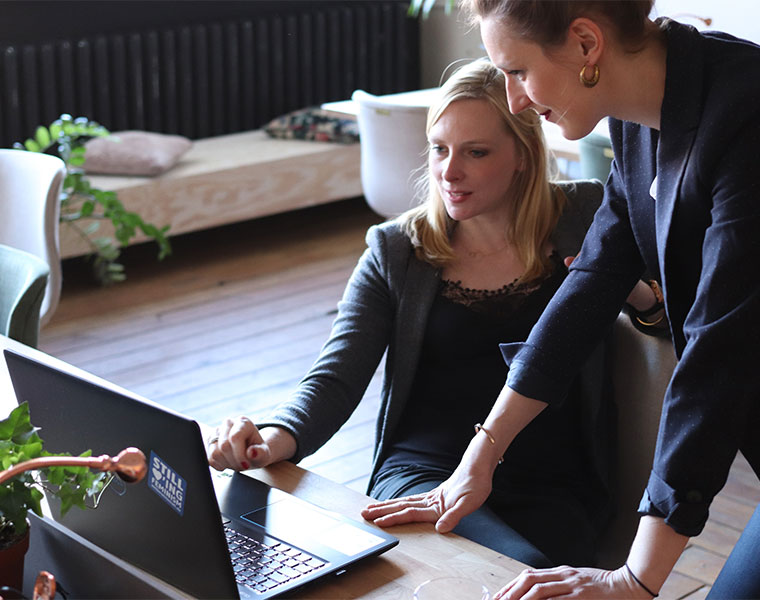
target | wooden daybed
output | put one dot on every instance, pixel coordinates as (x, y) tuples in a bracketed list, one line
[(233, 178)]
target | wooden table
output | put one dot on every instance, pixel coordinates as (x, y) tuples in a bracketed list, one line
[(422, 553)]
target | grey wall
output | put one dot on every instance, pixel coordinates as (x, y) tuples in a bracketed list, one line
[(446, 38)]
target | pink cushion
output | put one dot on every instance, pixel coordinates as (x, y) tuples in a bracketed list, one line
[(134, 153)]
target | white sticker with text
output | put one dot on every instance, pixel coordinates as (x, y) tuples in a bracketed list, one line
[(167, 483)]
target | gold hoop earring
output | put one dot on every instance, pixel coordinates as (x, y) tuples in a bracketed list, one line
[(589, 83)]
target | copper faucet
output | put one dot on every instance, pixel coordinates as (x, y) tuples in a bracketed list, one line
[(130, 464)]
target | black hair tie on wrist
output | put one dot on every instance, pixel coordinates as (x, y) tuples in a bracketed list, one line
[(640, 315), (637, 580), (642, 320)]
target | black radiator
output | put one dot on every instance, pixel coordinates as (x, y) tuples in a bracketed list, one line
[(210, 78)]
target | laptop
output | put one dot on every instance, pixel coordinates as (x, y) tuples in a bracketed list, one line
[(212, 535)]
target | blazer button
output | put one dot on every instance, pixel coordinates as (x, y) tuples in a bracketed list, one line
[(694, 496)]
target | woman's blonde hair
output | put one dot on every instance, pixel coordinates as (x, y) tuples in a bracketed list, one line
[(534, 204)]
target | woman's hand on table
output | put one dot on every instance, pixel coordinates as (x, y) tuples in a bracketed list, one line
[(458, 496), (239, 445), (572, 582)]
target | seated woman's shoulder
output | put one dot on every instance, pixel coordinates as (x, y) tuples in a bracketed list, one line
[(390, 232)]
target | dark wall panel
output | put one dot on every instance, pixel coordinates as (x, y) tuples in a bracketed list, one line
[(192, 67)]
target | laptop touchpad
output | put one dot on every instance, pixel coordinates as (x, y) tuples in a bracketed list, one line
[(297, 522)]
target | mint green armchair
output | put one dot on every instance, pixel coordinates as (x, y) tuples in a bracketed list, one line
[(23, 278), (30, 188)]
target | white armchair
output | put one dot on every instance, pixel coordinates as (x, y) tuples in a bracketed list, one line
[(393, 151), (30, 186)]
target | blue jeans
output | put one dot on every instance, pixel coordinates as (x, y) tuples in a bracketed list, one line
[(740, 576), (541, 530)]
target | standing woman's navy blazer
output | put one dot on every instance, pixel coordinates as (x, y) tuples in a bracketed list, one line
[(684, 203)]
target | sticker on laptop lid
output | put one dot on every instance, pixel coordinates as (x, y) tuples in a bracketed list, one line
[(167, 483)]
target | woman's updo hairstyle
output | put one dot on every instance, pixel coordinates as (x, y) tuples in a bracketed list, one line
[(546, 22)]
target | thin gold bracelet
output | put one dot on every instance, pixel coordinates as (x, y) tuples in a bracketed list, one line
[(479, 428), (649, 324)]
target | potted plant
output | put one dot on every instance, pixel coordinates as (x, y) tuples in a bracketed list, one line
[(423, 7), (447, 39), (73, 485), (65, 137)]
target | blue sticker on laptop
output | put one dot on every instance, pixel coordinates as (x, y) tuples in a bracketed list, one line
[(167, 483)]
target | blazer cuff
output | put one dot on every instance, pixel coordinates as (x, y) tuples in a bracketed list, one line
[(686, 512), (529, 370)]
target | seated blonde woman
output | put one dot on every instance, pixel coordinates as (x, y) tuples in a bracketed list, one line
[(439, 288)]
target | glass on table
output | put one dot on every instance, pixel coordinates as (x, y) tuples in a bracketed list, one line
[(451, 588)]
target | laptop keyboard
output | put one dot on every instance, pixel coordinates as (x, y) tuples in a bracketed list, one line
[(264, 566)]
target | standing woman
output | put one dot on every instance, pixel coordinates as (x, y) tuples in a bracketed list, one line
[(682, 201)]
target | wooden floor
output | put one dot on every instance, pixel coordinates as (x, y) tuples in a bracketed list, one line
[(235, 317), (228, 324)]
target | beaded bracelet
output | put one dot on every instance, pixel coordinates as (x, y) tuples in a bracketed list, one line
[(637, 580), (479, 428)]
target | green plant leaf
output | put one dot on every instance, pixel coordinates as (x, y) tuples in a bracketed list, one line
[(88, 206), (423, 7), (91, 228), (17, 426), (131, 219), (42, 136), (19, 441), (10, 423), (56, 130), (68, 128), (32, 146), (77, 158)]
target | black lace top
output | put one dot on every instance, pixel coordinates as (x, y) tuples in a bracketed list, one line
[(497, 303), (460, 374)]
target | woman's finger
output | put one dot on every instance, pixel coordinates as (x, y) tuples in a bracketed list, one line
[(402, 502), (412, 498), (380, 510), (232, 443), (532, 581), (408, 515), (213, 446)]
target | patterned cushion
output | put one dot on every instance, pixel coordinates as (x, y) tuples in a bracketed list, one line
[(314, 124)]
